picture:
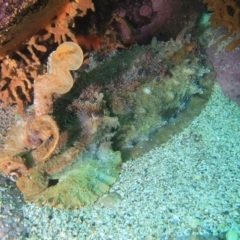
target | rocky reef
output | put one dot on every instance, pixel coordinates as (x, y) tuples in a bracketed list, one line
[(223, 53), (226, 13), (138, 21), (30, 30)]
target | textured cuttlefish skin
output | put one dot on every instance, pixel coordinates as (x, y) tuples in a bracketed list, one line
[(30, 157)]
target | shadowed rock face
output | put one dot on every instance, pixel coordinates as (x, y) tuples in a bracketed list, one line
[(147, 87), (9, 11), (140, 20), (226, 66), (21, 19), (11, 14), (167, 18)]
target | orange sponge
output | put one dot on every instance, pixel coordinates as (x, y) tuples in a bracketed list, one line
[(68, 56)]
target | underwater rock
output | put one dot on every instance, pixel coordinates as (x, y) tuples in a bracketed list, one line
[(138, 21), (18, 20), (163, 19), (226, 65), (227, 71), (225, 62), (22, 19)]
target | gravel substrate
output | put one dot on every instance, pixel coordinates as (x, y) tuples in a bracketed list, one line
[(11, 215), (188, 186)]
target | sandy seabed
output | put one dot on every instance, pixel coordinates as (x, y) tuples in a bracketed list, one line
[(188, 186)]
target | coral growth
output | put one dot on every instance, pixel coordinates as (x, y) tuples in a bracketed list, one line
[(15, 87), (26, 35), (226, 13), (37, 153), (68, 56)]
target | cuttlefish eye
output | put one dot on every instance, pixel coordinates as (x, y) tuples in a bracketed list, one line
[(13, 176)]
